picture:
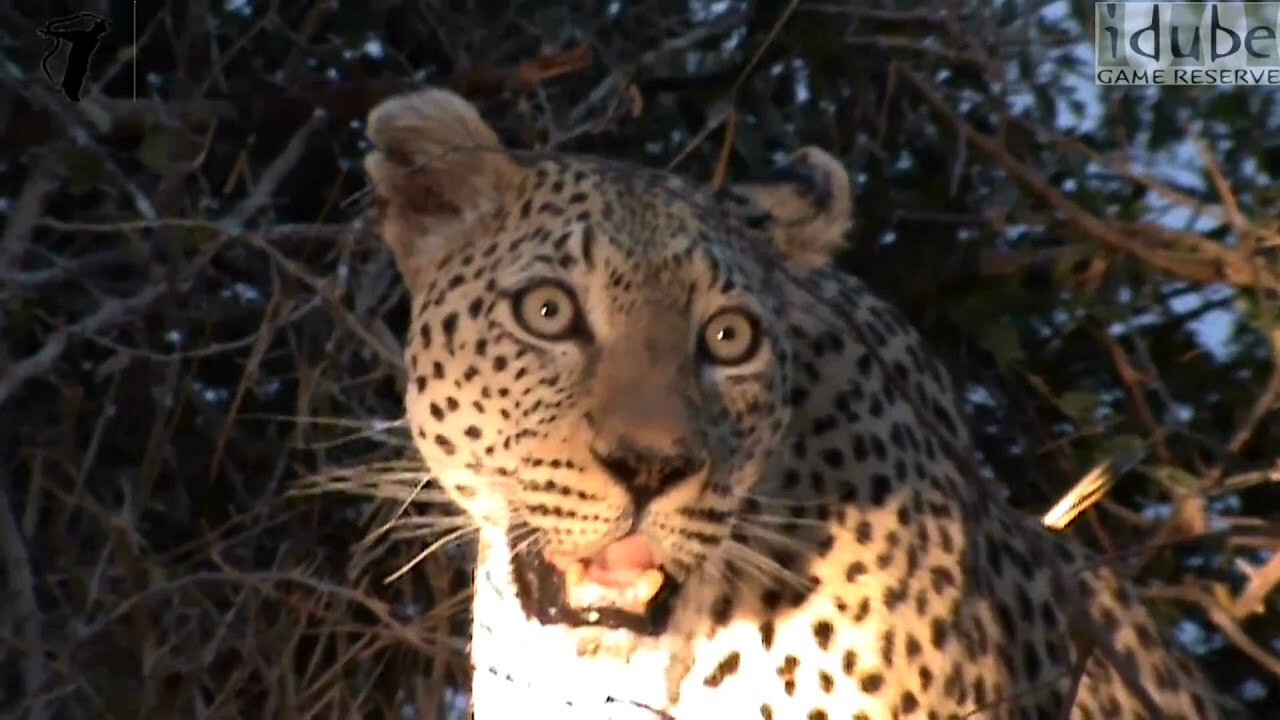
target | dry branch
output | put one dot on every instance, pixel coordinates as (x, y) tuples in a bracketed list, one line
[(1223, 266), (110, 314), (188, 333), (22, 611)]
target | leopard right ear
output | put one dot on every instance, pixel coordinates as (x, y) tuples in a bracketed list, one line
[(439, 173), (810, 200)]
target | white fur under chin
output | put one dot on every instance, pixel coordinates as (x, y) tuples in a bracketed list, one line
[(539, 673)]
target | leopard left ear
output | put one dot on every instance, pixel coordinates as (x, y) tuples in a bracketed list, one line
[(438, 172), (811, 203)]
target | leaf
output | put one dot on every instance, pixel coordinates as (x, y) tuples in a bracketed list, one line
[(156, 152), (1001, 340), (84, 168), (1079, 405), (1178, 481), (1121, 446)]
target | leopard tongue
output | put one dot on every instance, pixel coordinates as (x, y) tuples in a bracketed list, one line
[(624, 575)]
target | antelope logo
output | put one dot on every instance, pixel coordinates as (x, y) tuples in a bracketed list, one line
[(83, 40)]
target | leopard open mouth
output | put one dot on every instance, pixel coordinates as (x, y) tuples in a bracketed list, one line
[(595, 591)]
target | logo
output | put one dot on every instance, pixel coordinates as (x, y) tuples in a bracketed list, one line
[(1186, 43), (84, 38)]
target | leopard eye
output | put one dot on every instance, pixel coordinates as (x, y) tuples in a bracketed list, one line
[(547, 310), (730, 337)]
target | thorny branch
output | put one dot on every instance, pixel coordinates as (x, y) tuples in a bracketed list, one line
[(1222, 618), (1261, 582), (109, 314), (166, 413), (1224, 266), (22, 610)]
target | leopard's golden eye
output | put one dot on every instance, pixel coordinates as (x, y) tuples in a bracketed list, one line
[(547, 310), (730, 337)]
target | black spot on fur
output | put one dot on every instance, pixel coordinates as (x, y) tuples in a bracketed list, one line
[(445, 445), (450, 328), (726, 667), (822, 631)]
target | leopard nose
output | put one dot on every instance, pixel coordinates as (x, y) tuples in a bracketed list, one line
[(648, 473)]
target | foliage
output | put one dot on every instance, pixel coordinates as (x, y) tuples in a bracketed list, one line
[(195, 337)]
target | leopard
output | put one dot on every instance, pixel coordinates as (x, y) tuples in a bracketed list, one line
[(710, 473)]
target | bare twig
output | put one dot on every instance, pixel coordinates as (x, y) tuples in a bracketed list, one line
[(26, 212), (1084, 653), (726, 148), (274, 174), (1227, 266), (1231, 207), (79, 129), (756, 57), (615, 85), (1222, 618), (26, 281), (1261, 581), (1263, 404), (22, 611), (109, 314), (1134, 382)]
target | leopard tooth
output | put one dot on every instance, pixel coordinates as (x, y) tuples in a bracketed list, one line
[(647, 585), (581, 592), (574, 575)]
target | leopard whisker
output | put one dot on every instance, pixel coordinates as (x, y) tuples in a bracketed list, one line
[(773, 537), (415, 528), (750, 560), (526, 538), (789, 502), (445, 540), (783, 520)]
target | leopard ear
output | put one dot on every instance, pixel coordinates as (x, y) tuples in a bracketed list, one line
[(811, 203), (439, 173)]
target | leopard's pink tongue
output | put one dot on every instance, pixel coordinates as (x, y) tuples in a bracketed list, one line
[(621, 563), (624, 574)]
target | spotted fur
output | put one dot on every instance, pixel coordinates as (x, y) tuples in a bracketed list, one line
[(836, 559)]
